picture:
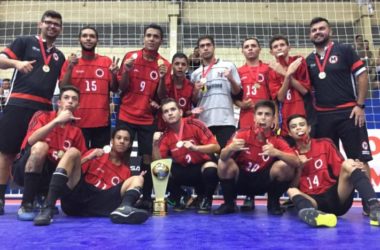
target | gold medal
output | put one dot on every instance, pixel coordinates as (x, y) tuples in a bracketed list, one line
[(203, 80), (60, 154), (46, 68), (179, 144), (322, 75), (160, 62)]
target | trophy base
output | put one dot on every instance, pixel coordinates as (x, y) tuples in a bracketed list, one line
[(160, 208)]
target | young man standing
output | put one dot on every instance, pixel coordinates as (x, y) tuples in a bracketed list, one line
[(37, 63), (95, 76)]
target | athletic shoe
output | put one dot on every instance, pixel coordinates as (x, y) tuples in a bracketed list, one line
[(180, 205), (26, 212), (366, 209), (248, 204), (273, 206), (316, 218), (225, 209), (193, 203), (2, 203), (129, 215), (39, 204), (205, 206), (44, 217), (374, 215)]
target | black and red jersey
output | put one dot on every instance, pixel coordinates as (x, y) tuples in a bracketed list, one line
[(59, 139), (193, 130), (103, 174), (255, 84), (323, 169), (338, 89), (252, 160), (35, 89), (93, 79), (293, 102), (143, 82)]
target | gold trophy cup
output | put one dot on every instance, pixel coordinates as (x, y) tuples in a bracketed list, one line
[(160, 175)]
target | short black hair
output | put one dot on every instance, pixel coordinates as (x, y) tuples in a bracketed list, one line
[(6, 79), (88, 28), (250, 38), (209, 37), (266, 103), (276, 38), (52, 14), (67, 87), (156, 27), (180, 55), (294, 116), (169, 100), (121, 127), (318, 20)]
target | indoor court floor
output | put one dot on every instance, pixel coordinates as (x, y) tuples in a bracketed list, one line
[(188, 230)]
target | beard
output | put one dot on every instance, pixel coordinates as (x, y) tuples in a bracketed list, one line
[(88, 49), (321, 43)]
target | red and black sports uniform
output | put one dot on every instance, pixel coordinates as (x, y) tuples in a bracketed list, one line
[(254, 174), (187, 164), (98, 192), (29, 92), (135, 110), (335, 97), (255, 84), (319, 177), (293, 102), (93, 79), (59, 140)]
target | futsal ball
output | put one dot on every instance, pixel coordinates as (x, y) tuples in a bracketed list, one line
[(161, 171)]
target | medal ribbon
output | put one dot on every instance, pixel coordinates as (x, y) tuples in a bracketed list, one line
[(322, 67), (179, 136), (42, 48), (204, 74), (253, 73)]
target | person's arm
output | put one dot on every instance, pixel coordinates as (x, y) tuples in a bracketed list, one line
[(156, 155), (114, 68), (229, 150), (97, 152), (281, 95), (290, 159), (22, 66), (358, 112), (206, 149), (127, 66), (70, 64), (233, 77), (161, 89)]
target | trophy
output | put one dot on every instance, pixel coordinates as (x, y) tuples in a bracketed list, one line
[(160, 174)]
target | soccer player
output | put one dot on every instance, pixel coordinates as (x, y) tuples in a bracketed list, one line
[(327, 181), (216, 83), (103, 178), (340, 81), (138, 77), (288, 80), (95, 76), (256, 161), (190, 144), (49, 136), (37, 63)]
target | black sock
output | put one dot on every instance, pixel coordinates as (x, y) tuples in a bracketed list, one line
[(3, 188), (277, 188), (229, 190), (210, 181), (31, 185), (175, 190), (361, 183), (57, 183), (130, 197), (148, 183), (301, 202)]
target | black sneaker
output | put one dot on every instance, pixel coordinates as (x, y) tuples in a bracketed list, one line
[(129, 215), (226, 209), (248, 204), (2, 204), (180, 205), (146, 204), (316, 218), (44, 217), (205, 206), (366, 209), (273, 206), (39, 204), (374, 215)]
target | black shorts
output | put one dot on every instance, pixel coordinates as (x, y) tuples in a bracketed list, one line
[(222, 134), (18, 170), (328, 202), (338, 125), (97, 137), (87, 200), (13, 127), (190, 175), (144, 136), (254, 183)]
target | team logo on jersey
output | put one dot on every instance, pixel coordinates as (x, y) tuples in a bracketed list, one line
[(333, 59), (260, 77), (182, 102), (153, 75), (365, 145), (55, 56), (99, 73), (220, 74)]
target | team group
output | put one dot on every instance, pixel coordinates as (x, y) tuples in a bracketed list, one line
[(320, 100)]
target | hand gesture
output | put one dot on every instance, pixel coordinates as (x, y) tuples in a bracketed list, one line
[(247, 104), (294, 66), (73, 60), (128, 64), (154, 104), (269, 149), (24, 66), (157, 136), (197, 110), (276, 66), (97, 152), (228, 74), (189, 145), (65, 116), (114, 68), (238, 145), (162, 70)]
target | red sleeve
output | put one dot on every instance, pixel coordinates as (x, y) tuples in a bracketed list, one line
[(164, 146), (335, 158), (302, 75), (282, 145), (64, 69), (275, 83), (86, 165), (38, 120), (205, 136)]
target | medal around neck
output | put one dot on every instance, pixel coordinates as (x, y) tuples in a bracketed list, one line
[(46, 68), (107, 149), (134, 56), (179, 144), (160, 62), (322, 75)]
